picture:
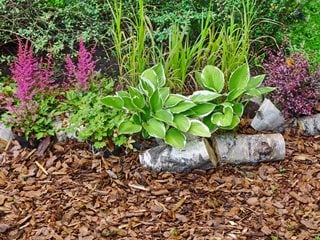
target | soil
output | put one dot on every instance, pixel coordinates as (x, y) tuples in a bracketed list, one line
[(67, 192)]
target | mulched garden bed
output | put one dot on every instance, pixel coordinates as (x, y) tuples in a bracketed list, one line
[(79, 195)]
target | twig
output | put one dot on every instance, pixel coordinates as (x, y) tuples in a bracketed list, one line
[(31, 153), (8, 145), (140, 187), (41, 168)]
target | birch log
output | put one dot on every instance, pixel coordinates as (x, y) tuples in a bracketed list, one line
[(197, 154), (249, 149), (5, 136), (309, 125)]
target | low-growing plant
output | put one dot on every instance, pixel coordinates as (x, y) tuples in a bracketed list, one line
[(91, 120), (297, 87), (155, 112), (222, 101)]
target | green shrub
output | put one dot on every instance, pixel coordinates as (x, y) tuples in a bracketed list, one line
[(304, 32)]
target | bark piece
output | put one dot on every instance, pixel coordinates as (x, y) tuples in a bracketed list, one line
[(310, 125), (239, 149), (268, 117), (6, 136), (196, 154)]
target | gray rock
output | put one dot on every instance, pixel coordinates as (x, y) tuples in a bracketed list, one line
[(6, 135), (268, 118), (195, 155)]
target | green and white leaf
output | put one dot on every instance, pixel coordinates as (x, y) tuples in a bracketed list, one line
[(253, 92), (161, 78), (203, 96), (207, 121), (164, 93), (197, 128), (164, 116), (155, 128), (175, 138), (137, 97), (202, 110), (223, 119), (174, 99), (146, 86), (265, 90), (113, 102), (128, 127), (256, 81), (234, 94), (212, 78), (238, 109), (235, 122), (182, 106), (239, 78), (182, 122), (156, 101)]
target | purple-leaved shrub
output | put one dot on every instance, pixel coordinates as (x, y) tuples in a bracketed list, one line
[(80, 73), (297, 90)]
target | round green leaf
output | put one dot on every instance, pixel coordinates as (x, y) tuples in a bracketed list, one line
[(182, 122), (223, 119), (207, 121), (112, 101), (238, 109), (155, 128), (235, 122), (239, 78), (175, 138), (198, 128), (212, 78), (128, 127), (204, 96)]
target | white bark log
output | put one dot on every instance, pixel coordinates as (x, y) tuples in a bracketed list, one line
[(196, 154), (309, 125), (5, 136), (240, 149), (268, 117)]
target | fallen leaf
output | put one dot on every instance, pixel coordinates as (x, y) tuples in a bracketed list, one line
[(44, 144), (252, 201)]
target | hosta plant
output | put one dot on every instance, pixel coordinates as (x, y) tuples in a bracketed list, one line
[(222, 101), (155, 112)]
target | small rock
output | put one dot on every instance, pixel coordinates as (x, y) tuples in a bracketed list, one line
[(252, 201), (268, 117), (310, 125), (4, 227)]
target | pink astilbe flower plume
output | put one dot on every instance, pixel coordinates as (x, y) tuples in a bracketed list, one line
[(23, 72), (81, 72)]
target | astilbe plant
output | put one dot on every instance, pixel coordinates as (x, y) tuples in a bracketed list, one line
[(297, 90), (81, 72), (33, 82)]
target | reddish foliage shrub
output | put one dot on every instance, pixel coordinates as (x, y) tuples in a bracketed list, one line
[(81, 72), (297, 90)]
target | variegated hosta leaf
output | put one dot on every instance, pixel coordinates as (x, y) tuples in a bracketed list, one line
[(137, 97), (197, 128), (155, 128), (164, 116), (113, 102), (202, 110), (182, 122), (212, 78), (223, 119), (203, 96), (175, 138), (174, 99), (156, 101), (255, 82), (182, 106), (128, 127), (239, 78)]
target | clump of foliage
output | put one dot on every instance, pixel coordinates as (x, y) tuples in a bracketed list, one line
[(297, 87), (31, 105), (304, 32)]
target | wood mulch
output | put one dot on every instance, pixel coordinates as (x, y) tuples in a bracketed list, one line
[(70, 193)]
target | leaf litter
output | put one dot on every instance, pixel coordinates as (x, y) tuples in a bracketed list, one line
[(67, 192)]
